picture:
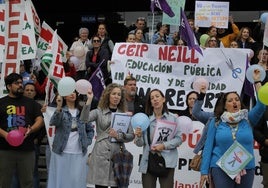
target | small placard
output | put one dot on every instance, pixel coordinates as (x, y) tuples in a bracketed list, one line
[(234, 159)]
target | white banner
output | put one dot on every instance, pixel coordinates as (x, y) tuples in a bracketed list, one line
[(173, 69)]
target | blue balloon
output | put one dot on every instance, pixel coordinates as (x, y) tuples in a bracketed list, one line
[(250, 70), (264, 17), (140, 120)]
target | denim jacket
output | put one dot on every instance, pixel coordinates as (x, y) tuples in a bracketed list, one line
[(170, 153), (63, 121)]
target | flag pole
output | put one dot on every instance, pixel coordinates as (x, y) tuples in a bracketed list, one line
[(152, 28)]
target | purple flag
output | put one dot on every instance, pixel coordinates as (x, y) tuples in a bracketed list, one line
[(187, 33), (97, 83), (162, 5)]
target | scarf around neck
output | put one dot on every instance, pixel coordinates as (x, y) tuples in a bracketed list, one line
[(236, 117)]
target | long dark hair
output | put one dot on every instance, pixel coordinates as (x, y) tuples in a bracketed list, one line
[(188, 95), (148, 107), (77, 102), (220, 104)]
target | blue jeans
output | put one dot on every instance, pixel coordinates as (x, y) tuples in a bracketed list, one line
[(222, 180)]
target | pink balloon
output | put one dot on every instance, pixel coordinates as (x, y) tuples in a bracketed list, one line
[(23, 130), (185, 124), (76, 61), (199, 82), (82, 86), (15, 137)]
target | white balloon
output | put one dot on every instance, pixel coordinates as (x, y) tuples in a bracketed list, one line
[(250, 71), (66, 86), (185, 124)]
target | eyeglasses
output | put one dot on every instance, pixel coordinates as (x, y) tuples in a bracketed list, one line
[(96, 41), (212, 40), (17, 82)]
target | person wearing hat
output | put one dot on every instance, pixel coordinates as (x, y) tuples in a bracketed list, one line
[(203, 40)]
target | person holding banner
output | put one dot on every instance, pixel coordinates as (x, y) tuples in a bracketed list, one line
[(231, 127), (101, 172), (225, 36), (69, 150), (23, 115), (157, 110)]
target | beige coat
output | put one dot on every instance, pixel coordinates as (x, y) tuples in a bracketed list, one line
[(99, 161)]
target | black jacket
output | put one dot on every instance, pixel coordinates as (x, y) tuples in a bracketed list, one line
[(260, 134), (139, 104)]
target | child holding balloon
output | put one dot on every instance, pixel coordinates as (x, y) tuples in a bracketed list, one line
[(156, 109)]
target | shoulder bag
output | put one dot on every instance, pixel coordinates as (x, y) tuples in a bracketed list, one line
[(156, 162)]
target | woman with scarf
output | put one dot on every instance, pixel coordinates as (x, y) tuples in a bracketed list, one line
[(231, 123)]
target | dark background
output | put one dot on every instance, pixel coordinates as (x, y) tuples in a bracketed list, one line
[(70, 12)]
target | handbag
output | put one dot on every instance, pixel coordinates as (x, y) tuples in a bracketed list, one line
[(156, 162), (122, 166), (196, 162), (157, 165)]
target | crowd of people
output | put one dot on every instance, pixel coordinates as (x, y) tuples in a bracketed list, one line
[(70, 166)]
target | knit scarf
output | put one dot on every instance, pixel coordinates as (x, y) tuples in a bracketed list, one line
[(236, 117)]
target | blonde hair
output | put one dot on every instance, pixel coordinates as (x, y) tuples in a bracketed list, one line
[(105, 97)]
